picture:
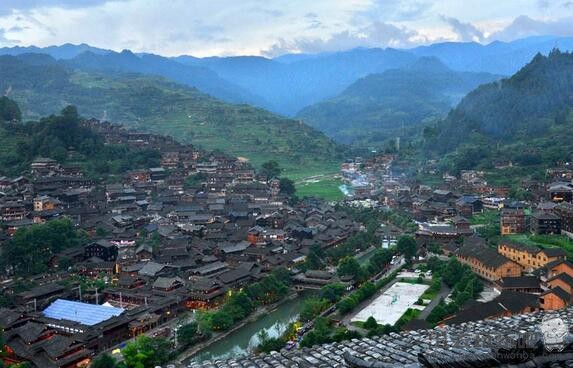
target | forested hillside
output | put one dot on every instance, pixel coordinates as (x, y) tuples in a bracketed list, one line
[(526, 119), (42, 86), (55, 137), (384, 105)]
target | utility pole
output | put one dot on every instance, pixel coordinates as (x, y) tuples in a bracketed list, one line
[(79, 291), (97, 296)]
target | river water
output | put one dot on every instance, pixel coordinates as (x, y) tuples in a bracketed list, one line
[(242, 341)]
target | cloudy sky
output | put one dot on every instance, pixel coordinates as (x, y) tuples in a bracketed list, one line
[(274, 27)]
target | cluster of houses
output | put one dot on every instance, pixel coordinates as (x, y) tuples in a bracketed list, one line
[(159, 246), (525, 276)]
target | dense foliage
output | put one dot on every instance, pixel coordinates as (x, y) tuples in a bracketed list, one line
[(240, 304), (63, 138), (146, 352), (522, 119), (464, 283), (31, 248)]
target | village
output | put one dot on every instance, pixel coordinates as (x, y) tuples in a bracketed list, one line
[(518, 249), (185, 242), (158, 246)]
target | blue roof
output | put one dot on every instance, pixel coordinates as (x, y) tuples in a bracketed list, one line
[(86, 314)]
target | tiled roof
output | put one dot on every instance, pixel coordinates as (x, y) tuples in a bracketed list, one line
[(398, 349)]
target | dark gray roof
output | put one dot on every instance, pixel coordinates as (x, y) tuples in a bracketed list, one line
[(397, 349)]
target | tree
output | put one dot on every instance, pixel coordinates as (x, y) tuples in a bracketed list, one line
[(32, 247), (9, 110), (270, 169), (312, 308), (370, 323), (187, 333), (349, 266), (146, 352), (332, 292), (221, 321), (287, 187), (407, 246), (104, 361)]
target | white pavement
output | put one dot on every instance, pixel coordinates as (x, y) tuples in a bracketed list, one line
[(392, 304)]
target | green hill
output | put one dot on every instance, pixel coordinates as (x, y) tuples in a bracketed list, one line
[(525, 119), (42, 86), (380, 106)]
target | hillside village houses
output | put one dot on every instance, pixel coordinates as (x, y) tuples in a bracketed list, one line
[(160, 245)]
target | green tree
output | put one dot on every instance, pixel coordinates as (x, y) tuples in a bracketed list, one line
[(270, 169), (146, 352), (332, 292), (32, 247), (187, 333), (104, 361), (312, 308), (9, 110), (349, 266), (407, 246), (221, 321), (370, 323), (287, 187)]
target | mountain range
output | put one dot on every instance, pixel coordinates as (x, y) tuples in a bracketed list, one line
[(42, 86), (360, 96), (381, 106), (289, 83)]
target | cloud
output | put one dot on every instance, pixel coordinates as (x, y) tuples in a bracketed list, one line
[(8, 6), (271, 27), (5, 41), (524, 26), (465, 32), (378, 34)]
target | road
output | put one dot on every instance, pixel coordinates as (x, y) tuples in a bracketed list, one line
[(444, 292)]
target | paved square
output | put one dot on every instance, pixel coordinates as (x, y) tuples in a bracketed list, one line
[(392, 304)]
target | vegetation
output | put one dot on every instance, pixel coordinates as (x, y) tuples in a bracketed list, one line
[(520, 119), (407, 246), (464, 283), (328, 189), (31, 248), (239, 305), (146, 352), (57, 136), (104, 361)]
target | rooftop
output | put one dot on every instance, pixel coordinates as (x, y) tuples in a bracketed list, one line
[(86, 314)]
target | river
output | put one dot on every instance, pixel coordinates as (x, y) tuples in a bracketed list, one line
[(242, 341)]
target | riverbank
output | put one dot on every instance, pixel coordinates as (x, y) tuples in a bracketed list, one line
[(253, 317)]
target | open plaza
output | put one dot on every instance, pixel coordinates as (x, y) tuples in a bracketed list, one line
[(392, 304)]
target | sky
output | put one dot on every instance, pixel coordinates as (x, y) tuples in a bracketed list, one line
[(275, 27)]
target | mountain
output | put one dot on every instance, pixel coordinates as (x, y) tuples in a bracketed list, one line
[(524, 119), (199, 77), (65, 51), (43, 86), (293, 84), (498, 57), (380, 106)]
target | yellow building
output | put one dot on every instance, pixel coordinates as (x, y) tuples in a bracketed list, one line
[(530, 258)]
